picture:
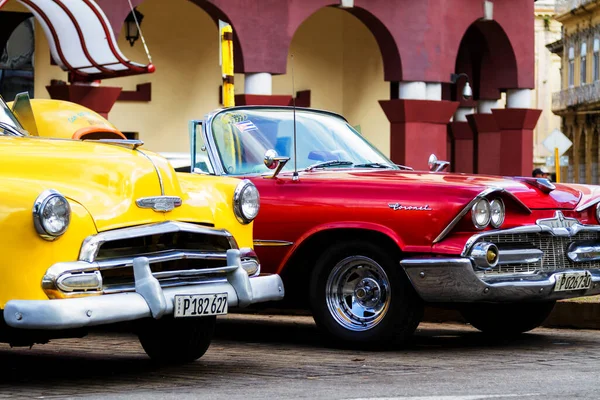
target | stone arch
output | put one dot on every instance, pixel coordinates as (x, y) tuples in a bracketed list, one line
[(392, 64), (487, 56), (117, 11)]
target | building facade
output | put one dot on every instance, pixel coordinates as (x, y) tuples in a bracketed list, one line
[(389, 66), (578, 101), (547, 78)]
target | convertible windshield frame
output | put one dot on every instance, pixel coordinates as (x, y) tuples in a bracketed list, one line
[(213, 148), (7, 117)]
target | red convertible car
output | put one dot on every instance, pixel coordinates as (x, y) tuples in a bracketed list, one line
[(365, 243)]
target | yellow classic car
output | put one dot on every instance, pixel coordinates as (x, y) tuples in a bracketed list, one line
[(100, 231)]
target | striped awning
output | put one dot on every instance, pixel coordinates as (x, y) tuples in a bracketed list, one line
[(81, 39)]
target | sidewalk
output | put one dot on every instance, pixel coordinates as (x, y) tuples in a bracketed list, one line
[(580, 313)]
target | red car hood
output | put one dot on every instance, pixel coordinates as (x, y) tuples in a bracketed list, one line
[(463, 186)]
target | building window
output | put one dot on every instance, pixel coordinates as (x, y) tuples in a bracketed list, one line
[(571, 67), (596, 59), (16, 61), (583, 64)]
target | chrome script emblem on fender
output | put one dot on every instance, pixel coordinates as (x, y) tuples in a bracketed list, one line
[(398, 206), (560, 225), (159, 203)]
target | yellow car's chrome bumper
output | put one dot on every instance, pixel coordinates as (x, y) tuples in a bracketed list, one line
[(148, 300)]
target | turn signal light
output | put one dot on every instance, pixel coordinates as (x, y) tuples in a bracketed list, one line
[(82, 282)]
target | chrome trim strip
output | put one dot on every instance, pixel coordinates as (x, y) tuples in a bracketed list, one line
[(133, 144), (464, 212), (520, 256), (165, 284), (91, 244), (587, 205), (160, 257), (528, 229), (272, 243), (584, 252), (160, 180), (194, 272)]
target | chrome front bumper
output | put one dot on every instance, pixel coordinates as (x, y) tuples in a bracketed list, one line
[(148, 300), (450, 280)]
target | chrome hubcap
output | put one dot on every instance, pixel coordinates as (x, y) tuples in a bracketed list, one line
[(358, 293)]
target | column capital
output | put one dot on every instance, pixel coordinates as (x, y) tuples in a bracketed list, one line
[(428, 111), (483, 123), (461, 130), (516, 118)]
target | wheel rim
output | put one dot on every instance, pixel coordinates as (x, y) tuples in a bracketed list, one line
[(358, 293)]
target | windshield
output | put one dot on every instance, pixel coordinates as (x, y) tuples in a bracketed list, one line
[(242, 137), (8, 121)]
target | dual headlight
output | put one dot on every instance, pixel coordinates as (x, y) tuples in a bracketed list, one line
[(486, 213), (246, 201), (51, 214)]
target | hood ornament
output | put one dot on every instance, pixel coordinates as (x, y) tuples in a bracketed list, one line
[(543, 184), (159, 203), (560, 225)]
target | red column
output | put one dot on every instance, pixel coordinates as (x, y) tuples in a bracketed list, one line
[(516, 143), (418, 129), (97, 98), (487, 151), (462, 137)]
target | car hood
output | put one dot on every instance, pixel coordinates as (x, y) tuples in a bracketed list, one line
[(106, 179), (459, 188)]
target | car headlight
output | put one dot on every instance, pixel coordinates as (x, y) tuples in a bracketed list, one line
[(497, 213), (246, 201), (598, 213), (51, 214), (480, 213)]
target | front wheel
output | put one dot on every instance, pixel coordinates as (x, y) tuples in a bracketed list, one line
[(359, 294), (176, 340), (507, 319)]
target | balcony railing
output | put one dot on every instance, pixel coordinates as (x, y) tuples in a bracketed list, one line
[(563, 6), (586, 94)]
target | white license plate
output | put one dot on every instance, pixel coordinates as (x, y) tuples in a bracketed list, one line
[(573, 281), (200, 305)]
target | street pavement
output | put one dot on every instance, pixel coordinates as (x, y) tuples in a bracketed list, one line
[(278, 357)]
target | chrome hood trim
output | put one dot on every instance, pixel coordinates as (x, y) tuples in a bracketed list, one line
[(470, 205)]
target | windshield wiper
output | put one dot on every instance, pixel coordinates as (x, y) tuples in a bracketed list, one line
[(331, 163), (373, 165), (11, 130)]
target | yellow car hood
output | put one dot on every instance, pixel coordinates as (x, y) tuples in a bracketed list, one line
[(106, 179)]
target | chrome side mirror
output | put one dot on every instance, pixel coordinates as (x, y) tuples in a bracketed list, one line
[(270, 159), (273, 161), (436, 165)]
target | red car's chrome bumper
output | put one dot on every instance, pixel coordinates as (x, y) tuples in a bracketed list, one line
[(444, 280)]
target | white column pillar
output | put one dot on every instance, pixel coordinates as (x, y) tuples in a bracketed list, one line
[(258, 83), (485, 106), (412, 90), (433, 91), (461, 114), (518, 98)]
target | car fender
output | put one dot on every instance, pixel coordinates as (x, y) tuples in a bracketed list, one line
[(359, 225)]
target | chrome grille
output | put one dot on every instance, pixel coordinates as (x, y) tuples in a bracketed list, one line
[(554, 248), (178, 253)]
